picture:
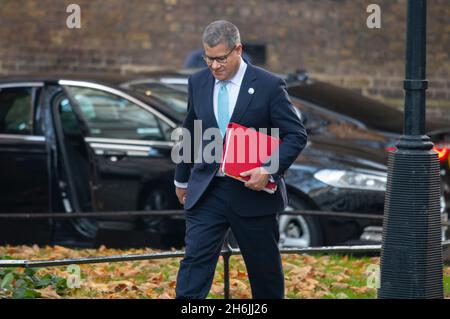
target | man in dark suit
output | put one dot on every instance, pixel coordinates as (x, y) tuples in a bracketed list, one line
[(232, 90)]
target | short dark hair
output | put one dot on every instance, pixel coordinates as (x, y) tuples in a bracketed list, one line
[(221, 31)]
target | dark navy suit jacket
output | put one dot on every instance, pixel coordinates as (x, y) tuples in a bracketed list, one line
[(268, 107)]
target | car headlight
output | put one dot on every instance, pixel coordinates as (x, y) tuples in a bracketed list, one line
[(352, 179)]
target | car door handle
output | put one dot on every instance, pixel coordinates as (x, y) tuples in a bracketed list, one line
[(114, 153), (154, 152)]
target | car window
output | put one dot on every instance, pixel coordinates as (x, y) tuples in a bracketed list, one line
[(69, 121), (111, 116), (16, 111), (170, 95)]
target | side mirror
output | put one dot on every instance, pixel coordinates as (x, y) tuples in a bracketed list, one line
[(298, 76)]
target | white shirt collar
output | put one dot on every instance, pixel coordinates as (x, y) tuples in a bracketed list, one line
[(239, 76)]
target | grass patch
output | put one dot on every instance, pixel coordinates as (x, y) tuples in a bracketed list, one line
[(306, 276)]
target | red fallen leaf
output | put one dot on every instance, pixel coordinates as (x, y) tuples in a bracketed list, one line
[(349, 271), (120, 287), (241, 275), (11, 250), (172, 284)]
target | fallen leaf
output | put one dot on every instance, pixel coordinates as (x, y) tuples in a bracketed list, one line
[(341, 295), (309, 259), (341, 277), (301, 272), (165, 296), (338, 285), (49, 293), (241, 275), (360, 290)]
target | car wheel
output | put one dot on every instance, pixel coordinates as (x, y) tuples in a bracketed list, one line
[(299, 231), (170, 228), (87, 227), (155, 200)]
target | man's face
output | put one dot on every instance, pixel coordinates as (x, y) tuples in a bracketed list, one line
[(226, 70)]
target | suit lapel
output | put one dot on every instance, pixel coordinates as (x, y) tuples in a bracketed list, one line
[(244, 96)]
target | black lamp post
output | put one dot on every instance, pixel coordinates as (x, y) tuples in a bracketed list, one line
[(411, 257)]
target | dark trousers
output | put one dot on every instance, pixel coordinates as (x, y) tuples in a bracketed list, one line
[(206, 226)]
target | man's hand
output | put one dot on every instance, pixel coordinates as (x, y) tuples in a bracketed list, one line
[(258, 178), (181, 194)]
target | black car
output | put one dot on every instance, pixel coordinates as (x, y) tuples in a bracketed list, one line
[(328, 112), (84, 143), (374, 115)]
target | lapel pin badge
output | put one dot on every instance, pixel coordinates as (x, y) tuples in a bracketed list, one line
[(251, 90)]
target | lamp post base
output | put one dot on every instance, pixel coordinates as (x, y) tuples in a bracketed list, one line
[(411, 257)]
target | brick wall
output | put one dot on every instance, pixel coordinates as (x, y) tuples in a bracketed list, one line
[(329, 38)]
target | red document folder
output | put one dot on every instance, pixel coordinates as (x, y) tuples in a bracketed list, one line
[(245, 149)]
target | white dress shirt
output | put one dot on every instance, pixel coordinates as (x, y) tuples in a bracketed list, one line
[(233, 91)]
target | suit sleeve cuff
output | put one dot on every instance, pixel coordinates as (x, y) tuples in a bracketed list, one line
[(271, 176), (180, 185), (276, 177)]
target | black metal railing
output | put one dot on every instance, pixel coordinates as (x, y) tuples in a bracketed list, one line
[(226, 252)]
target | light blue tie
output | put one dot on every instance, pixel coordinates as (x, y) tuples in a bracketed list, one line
[(223, 107)]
